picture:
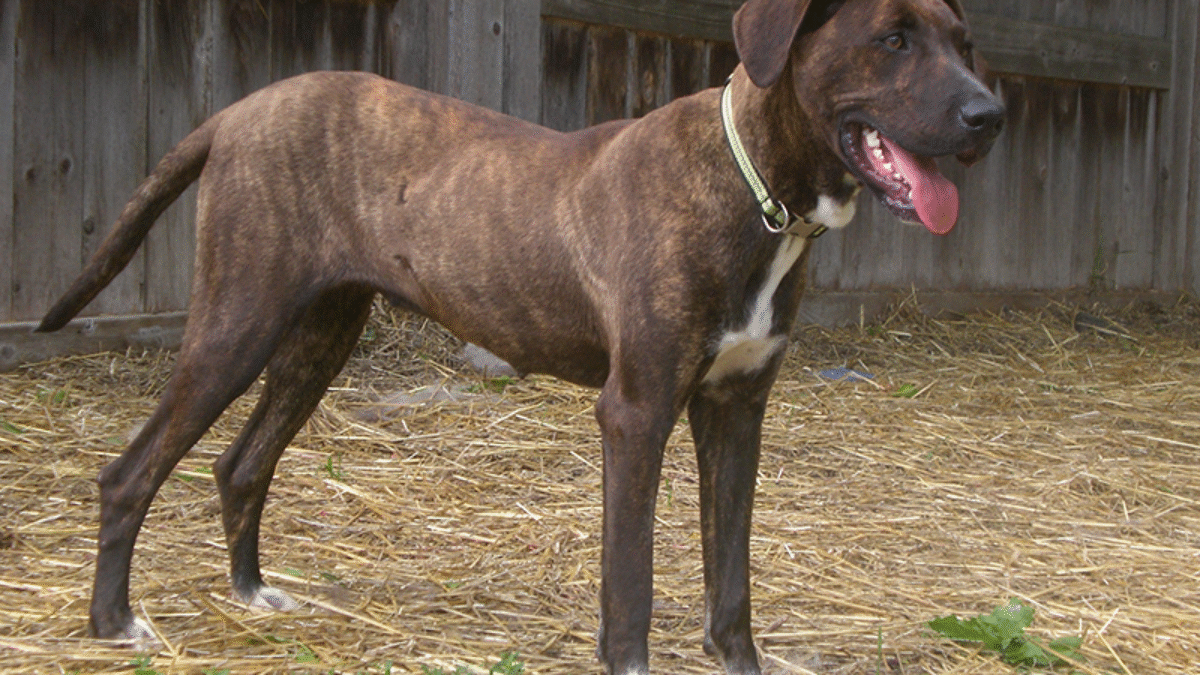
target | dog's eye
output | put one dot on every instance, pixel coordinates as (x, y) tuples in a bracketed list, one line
[(895, 41)]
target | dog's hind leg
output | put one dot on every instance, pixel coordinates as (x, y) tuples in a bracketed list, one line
[(226, 346), (726, 421), (308, 359)]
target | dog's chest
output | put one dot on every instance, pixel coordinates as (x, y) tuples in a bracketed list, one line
[(749, 348)]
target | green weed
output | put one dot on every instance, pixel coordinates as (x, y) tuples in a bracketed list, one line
[(1003, 631), (335, 472)]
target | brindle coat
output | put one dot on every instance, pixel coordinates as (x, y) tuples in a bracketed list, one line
[(616, 257)]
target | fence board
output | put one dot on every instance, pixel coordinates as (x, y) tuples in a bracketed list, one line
[(688, 67), (240, 35), (704, 19), (722, 60), (48, 149), (608, 73), (1179, 152), (565, 75), (8, 53), (298, 37), (408, 31), (476, 52), (650, 75), (1082, 55), (179, 102), (114, 157), (522, 60), (352, 36)]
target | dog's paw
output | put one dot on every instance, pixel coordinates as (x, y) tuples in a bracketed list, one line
[(138, 636), (269, 599)]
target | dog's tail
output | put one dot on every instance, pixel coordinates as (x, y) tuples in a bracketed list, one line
[(177, 170)]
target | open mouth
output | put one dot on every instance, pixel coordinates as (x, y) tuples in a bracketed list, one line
[(911, 186)]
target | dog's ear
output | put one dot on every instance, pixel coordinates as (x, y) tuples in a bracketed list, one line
[(763, 31)]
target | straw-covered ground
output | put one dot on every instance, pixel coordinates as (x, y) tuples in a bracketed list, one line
[(1022, 455)]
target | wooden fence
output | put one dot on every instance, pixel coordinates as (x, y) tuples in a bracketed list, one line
[(1094, 183)]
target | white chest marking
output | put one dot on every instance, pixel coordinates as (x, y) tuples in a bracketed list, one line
[(750, 348), (832, 214)]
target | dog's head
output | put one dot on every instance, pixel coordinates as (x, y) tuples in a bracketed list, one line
[(891, 84)]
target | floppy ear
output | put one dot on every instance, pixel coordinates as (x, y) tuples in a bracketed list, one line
[(763, 31)]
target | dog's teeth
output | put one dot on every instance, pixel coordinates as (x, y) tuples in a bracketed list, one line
[(872, 137), (878, 153), (887, 166)]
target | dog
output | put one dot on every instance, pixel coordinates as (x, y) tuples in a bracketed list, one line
[(660, 260)]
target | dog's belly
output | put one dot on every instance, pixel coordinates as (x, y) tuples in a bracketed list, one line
[(749, 348)]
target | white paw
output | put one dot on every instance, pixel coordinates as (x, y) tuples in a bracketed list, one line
[(269, 599), (139, 636)]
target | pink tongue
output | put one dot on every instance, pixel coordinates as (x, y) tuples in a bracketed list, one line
[(934, 197)]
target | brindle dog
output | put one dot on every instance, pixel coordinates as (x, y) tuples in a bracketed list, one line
[(630, 256)]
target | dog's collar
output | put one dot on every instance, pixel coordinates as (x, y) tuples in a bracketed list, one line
[(775, 215)]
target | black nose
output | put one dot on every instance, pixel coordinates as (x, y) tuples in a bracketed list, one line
[(983, 115)]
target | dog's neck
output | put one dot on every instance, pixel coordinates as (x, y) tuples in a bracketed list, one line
[(796, 164)]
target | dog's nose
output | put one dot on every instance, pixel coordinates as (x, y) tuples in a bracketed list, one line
[(983, 115)]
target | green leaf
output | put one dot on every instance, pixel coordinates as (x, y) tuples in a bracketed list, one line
[(906, 391), (1003, 631), (956, 629), (10, 428)]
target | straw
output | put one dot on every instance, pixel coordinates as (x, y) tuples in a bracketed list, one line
[(997, 456)]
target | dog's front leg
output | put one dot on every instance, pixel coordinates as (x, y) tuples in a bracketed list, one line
[(726, 421), (635, 420)]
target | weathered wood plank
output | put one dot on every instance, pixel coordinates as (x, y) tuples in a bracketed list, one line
[(722, 60), (1139, 185), (180, 101), (1082, 55), (608, 74), (1178, 152), (19, 344), (351, 36), (688, 68), (9, 14), (703, 19), (1029, 231), (408, 32), (522, 59), (1010, 45), (298, 37), (48, 155), (241, 53), (564, 75), (114, 158), (650, 75), (476, 52)]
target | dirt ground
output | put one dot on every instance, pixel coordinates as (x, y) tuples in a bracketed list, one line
[(1026, 455)]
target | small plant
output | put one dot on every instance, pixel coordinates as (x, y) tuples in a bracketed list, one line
[(495, 385), (509, 664), (141, 665), (1003, 631), (906, 391), (335, 472)]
